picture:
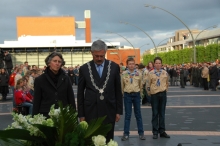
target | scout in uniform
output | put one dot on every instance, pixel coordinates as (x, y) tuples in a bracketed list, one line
[(157, 86), (131, 83)]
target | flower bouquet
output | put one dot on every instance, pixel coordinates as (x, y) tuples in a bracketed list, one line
[(61, 129)]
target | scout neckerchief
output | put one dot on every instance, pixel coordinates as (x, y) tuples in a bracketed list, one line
[(131, 75), (158, 76)]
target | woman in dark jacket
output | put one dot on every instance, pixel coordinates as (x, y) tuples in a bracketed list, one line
[(4, 84), (52, 86)]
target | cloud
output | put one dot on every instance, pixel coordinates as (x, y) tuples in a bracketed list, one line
[(51, 11), (105, 15)]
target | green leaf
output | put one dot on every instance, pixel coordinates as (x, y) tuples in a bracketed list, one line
[(96, 127), (11, 142), (19, 134), (49, 132), (68, 121)]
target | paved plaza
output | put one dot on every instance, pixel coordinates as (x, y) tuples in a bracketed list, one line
[(192, 119)]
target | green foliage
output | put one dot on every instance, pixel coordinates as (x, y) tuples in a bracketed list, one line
[(96, 127), (203, 54)]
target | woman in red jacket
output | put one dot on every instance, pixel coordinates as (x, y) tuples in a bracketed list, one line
[(21, 98), (12, 84)]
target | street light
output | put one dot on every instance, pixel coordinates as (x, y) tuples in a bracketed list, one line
[(214, 26), (143, 32), (127, 41), (218, 48), (143, 45), (112, 46), (162, 41), (194, 48)]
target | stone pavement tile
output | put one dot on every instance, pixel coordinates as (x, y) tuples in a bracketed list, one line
[(185, 140)]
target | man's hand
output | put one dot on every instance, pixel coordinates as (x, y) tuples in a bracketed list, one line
[(117, 118), (81, 119)]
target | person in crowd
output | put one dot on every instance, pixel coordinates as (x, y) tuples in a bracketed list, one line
[(11, 83), (131, 82), (26, 89), (157, 86), (25, 68), (213, 71), (21, 98), (29, 68), (204, 75), (150, 67), (136, 66), (52, 86), (34, 67), (190, 74), (71, 75), (185, 74), (182, 84), (4, 78), (30, 82), (122, 67), (18, 75), (200, 68), (99, 89), (174, 73), (76, 73), (196, 76), (8, 62), (142, 69)]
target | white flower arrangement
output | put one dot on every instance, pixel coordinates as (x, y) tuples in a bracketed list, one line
[(101, 141), (62, 128), (25, 122)]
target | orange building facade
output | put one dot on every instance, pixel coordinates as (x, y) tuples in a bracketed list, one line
[(45, 26), (121, 55)]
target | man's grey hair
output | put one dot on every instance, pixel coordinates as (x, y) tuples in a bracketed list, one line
[(52, 55), (98, 46)]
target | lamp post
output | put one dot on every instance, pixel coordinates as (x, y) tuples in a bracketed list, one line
[(143, 45), (218, 49), (214, 26), (127, 41), (162, 41), (144, 33), (112, 46), (194, 48)]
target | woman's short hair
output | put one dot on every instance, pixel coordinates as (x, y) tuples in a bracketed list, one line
[(52, 55)]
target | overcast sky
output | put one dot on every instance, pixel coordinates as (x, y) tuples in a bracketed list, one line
[(106, 15)]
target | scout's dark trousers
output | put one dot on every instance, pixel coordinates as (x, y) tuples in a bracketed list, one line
[(158, 104), (205, 84)]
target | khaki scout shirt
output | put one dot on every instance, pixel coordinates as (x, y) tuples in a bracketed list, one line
[(135, 86), (205, 72), (151, 83)]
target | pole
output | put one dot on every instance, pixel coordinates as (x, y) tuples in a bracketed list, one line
[(194, 48), (144, 33), (214, 26), (128, 42), (218, 48)]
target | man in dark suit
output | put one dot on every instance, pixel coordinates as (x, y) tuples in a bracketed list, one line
[(99, 89), (213, 76)]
